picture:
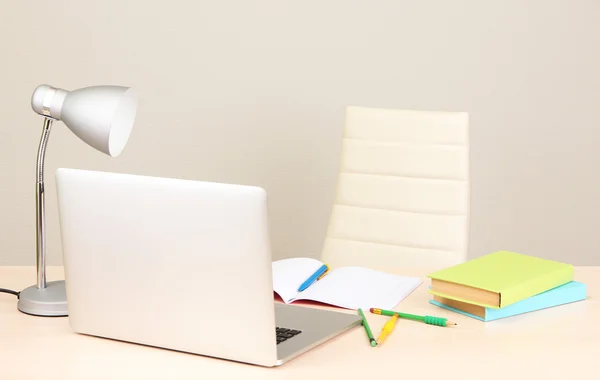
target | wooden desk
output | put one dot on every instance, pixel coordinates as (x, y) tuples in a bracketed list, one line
[(559, 343)]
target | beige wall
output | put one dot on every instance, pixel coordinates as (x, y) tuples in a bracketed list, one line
[(254, 92)]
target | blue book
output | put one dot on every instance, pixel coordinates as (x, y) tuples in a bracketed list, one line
[(570, 292)]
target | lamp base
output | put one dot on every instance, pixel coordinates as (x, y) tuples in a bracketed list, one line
[(48, 302)]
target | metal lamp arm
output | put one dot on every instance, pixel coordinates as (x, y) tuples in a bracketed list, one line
[(40, 206)]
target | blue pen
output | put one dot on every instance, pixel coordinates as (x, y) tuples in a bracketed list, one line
[(314, 277)]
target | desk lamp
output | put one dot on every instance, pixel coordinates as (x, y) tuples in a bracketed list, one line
[(101, 116)]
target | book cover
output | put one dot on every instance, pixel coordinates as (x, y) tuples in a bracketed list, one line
[(570, 292), (513, 276)]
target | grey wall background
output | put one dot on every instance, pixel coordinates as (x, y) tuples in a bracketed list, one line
[(254, 92)]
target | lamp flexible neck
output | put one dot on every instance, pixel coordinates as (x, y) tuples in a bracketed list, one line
[(40, 206)]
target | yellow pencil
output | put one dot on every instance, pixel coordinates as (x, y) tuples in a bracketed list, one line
[(387, 329)]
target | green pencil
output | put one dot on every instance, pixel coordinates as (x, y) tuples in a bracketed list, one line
[(367, 328), (427, 319)]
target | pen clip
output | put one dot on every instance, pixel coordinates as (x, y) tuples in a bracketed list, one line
[(324, 273)]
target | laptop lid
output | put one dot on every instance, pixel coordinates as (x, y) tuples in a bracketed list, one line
[(172, 263)]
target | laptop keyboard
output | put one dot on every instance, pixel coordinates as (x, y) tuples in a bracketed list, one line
[(285, 334)]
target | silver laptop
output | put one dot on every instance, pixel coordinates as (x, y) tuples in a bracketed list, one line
[(182, 265)]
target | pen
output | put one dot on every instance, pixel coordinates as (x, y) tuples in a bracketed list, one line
[(367, 328), (315, 276), (427, 319), (387, 328)]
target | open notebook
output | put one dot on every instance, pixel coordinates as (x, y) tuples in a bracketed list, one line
[(346, 287)]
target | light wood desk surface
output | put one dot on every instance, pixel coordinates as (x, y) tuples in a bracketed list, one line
[(557, 343)]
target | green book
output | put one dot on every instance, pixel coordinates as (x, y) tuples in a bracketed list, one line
[(499, 279)]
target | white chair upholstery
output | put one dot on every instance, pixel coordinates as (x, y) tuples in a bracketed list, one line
[(403, 192)]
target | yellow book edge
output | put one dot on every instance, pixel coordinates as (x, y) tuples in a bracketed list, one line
[(476, 310), (463, 300), (486, 288)]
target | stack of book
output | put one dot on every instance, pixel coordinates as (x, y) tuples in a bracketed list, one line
[(503, 284)]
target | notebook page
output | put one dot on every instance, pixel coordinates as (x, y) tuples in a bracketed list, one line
[(355, 287), (289, 274)]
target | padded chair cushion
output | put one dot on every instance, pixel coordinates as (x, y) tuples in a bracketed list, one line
[(403, 190)]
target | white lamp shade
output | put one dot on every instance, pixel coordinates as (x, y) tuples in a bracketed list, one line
[(101, 116)]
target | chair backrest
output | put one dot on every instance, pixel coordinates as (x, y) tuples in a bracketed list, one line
[(403, 195)]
